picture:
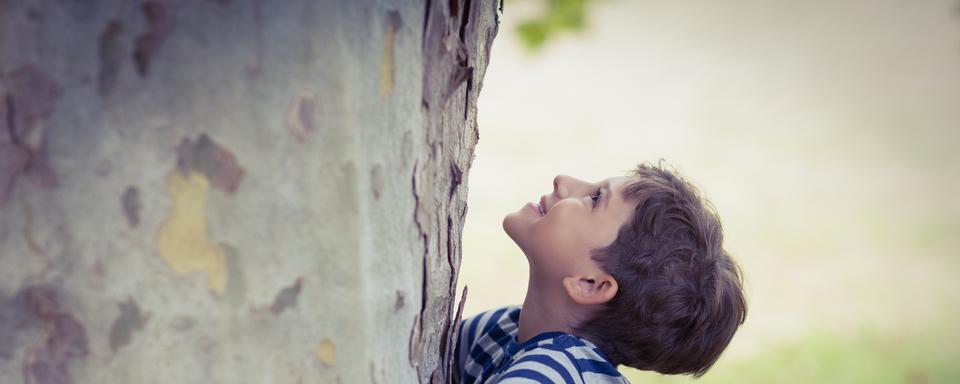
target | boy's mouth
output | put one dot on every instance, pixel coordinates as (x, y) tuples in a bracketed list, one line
[(540, 206)]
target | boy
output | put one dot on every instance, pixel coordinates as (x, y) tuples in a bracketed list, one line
[(629, 270)]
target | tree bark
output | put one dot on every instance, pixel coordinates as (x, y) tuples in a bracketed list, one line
[(234, 190)]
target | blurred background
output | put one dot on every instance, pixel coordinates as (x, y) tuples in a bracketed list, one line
[(825, 132)]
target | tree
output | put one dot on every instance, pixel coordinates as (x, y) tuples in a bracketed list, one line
[(234, 190)]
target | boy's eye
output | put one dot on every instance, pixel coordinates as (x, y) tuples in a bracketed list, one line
[(596, 198)]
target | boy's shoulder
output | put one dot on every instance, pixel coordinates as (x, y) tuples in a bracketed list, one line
[(558, 358), (481, 342), (501, 322), (488, 352)]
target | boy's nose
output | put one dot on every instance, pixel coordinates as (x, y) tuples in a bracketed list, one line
[(563, 185), (559, 181)]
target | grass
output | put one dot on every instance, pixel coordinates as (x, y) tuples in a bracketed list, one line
[(927, 355)]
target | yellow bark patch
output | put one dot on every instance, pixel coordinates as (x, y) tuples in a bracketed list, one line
[(182, 239), (386, 65), (326, 352)]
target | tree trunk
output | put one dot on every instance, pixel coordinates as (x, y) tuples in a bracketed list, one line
[(234, 190)]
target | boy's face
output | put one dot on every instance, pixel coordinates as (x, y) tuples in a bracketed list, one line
[(558, 243)]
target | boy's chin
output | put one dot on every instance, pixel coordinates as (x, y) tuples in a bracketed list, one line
[(509, 225), (512, 225), (511, 231)]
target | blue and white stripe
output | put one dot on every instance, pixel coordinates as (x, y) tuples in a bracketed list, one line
[(487, 352)]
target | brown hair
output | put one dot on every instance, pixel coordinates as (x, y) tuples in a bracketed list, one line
[(680, 296)]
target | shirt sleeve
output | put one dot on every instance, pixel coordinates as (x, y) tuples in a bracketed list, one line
[(542, 366), (470, 331), (459, 354)]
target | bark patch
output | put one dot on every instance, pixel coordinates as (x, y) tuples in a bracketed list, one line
[(210, 159), (131, 205), (27, 100), (287, 297), (111, 57), (400, 301), (65, 338), (159, 16), (302, 116), (13, 318), (327, 352), (394, 22), (131, 319), (182, 239), (377, 181)]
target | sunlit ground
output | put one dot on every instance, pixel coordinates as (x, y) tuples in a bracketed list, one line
[(826, 134)]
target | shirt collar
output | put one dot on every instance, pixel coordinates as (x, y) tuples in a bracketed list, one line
[(513, 346)]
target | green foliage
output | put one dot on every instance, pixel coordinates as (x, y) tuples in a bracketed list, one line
[(561, 15)]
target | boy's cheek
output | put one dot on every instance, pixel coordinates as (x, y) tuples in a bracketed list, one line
[(550, 247), (542, 240), (518, 224)]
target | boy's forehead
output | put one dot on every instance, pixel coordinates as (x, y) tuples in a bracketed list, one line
[(618, 182)]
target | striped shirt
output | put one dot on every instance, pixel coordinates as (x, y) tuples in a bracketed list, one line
[(488, 352)]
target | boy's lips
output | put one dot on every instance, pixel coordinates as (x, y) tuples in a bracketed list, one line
[(543, 206), (535, 207)]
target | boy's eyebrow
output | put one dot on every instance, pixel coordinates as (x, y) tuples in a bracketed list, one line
[(607, 203)]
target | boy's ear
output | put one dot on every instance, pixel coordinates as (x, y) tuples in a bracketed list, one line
[(590, 289)]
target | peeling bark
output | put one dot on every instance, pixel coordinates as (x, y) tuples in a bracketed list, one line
[(451, 68)]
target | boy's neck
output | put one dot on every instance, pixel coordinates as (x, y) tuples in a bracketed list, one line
[(540, 314)]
